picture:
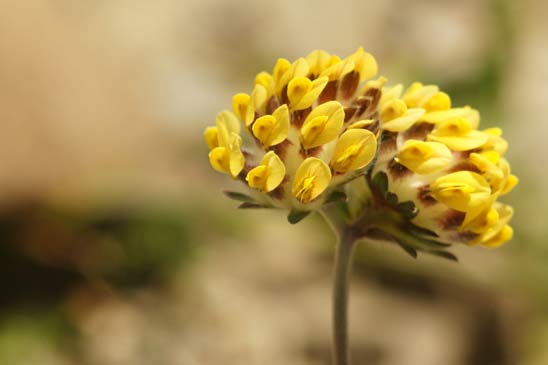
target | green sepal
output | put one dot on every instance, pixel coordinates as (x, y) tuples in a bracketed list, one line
[(295, 216), (380, 182), (404, 238), (408, 209), (391, 198), (412, 244), (336, 196), (241, 197), (249, 205), (444, 254), (420, 231), (409, 250)]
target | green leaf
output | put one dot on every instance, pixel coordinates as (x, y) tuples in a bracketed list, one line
[(380, 182), (234, 195), (295, 216), (248, 205), (444, 254), (408, 209)]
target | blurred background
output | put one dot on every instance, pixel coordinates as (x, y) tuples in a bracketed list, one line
[(117, 246)]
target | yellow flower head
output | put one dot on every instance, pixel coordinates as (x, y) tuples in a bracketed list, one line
[(442, 174), (301, 133), (319, 129)]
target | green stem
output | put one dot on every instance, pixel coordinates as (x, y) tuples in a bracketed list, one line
[(343, 263), (334, 216)]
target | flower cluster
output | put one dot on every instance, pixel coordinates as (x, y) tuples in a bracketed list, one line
[(320, 129), (298, 135), (452, 172)]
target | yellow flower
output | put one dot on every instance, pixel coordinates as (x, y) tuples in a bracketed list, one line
[(246, 106), (322, 125), (418, 94), (464, 191), (424, 157), (302, 92), (355, 149), (228, 158), (224, 143), (268, 175), (458, 135), (436, 117), (271, 130), (496, 230), (311, 179), (318, 60), (288, 136)]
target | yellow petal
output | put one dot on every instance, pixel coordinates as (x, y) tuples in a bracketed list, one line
[(256, 177), (464, 191), (404, 122), (256, 102), (323, 124), (279, 134), (511, 182), (245, 106), (487, 162), (467, 113), (297, 88), (311, 179), (319, 60), (364, 63), (313, 91), (338, 70), (299, 68), (439, 101), (223, 134), (268, 175), (417, 95), (458, 135), (219, 158), (393, 109), (504, 235), (390, 93), (500, 232), (495, 141), (276, 169), (424, 157), (264, 78), (230, 120), (354, 150), (229, 160), (281, 67), (361, 124), (374, 84), (236, 157), (240, 102), (210, 136), (461, 143), (486, 220), (262, 129), (271, 130), (228, 157)]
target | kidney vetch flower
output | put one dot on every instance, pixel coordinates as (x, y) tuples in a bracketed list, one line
[(378, 162)]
